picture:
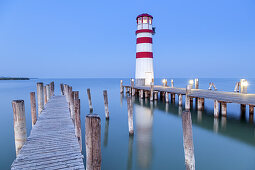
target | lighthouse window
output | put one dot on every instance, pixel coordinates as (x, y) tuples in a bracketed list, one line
[(145, 20), (139, 20), (150, 21)]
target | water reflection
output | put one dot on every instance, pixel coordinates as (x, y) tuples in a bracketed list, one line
[(130, 151), (144, 122), (106, 132)]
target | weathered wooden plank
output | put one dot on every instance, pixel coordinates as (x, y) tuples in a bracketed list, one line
[(52, 143)]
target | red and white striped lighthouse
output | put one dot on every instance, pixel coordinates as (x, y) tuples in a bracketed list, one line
[(144, 73)]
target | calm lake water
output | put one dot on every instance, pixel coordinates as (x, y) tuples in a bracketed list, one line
[(158, 137)]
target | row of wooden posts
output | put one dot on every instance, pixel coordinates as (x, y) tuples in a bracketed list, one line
[(44, 93), (200, 102)]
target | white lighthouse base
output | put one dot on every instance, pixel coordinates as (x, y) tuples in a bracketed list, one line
[(144, 72)]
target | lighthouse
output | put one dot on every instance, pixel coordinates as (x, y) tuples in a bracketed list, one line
[(144, 73)]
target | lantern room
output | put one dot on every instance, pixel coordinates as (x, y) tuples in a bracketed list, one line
[(144, 21)]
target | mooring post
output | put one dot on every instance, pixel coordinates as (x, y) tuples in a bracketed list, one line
[(52, 89), (167, 97), (106, 104), (72, 105), (40, 97), (65, 90), (203, 103), (191, 102), (62, 89), (172, 83), (33, 108), (130, 116), (19, 124), (151, 93), (243, 109), (172, 98), (70, 99), (48, 92), (180, 99), (188, 140), (196, 87), (187, 98), (77, 123), (216, 108), (132, 87), (121, 86), (45, 95), (146, 94), (199, 104), (224, 109), (251, 109), (141, 93), (155, 95), (93, 142), (89, 99)]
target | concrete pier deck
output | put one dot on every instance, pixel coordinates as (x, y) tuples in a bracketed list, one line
[(52, 143)]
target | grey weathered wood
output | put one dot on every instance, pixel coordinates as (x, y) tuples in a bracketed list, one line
[(180, 99), (78, 121), (71, 104), (199, 104), (151, 92), (155, 95), (40, 97), (121, 86), (130, 116), (70, 99), (223, 109), (172, 98), (187, 97), (33, 108), (52, 143), (106, 104), (172, 83), (45, 95), (19, 124), (48, 92), (167, 97), (62, 89), (141, 93), (216, 108), (52, 89), (251, 109), (89, 99), (93, 142), (188, 140)]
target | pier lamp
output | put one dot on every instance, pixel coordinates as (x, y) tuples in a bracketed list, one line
[(164, 81), (191, 82), (243, 84)]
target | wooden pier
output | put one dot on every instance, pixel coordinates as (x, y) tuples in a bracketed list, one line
[(220, 98), (52, 143)]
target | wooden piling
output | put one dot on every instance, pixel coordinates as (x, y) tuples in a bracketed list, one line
[(167, 97), (155, 95), (180, 99), (146, 94), (141, 93), (52, 89), (106, 104), (172, 83), (77, 123), (70, 99), (172, 98), (89, 98), (196, 83), (45, 95), (243, 109), (224, 109), (188, 140), (19, 123), (93, 142), (40, 97), (130, 116), (187, 98), (121, 86), (199, 104), (251, 109), (62, 89), (72, 104), (132, 86), (33, 108), (216, 108), (151, 93)]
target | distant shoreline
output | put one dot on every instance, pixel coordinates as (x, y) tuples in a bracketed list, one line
[(14, 78)]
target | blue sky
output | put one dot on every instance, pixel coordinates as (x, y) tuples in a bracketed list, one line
[(79, 38)]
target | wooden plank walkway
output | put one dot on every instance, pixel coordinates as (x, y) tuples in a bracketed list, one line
[(52, 143), (229, 97)]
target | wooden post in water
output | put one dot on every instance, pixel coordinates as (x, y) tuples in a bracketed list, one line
[(72, 104), (216, 108), (62, 89), (19, 123), (132, 87), (172, 83), (65, 90), (251, 113), (199, 104), (151, 93), (52, 89), (40, 97), (121, 86), (48, 92), (130, 116), (180, 99), (146, 94), (196, 83), (188, 140), (224, 109), (89, 98), (45, 95), (191, 102), (33, 108), (167, 97), (172, 98), (106, 104), (77, 123), (243, 109), (141, 93), (187, 98), (93, 142), (155, 95)]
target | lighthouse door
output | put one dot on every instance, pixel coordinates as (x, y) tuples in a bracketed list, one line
[(148, 78)]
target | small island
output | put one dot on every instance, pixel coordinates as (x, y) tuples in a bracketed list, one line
[(14, 78)]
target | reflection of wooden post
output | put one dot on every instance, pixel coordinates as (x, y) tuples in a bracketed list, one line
[(93, 142), (130, 152), (40, 97), (106, 104), (45, 95), (33, 108), (106, 128), (130, 116), (188, 140), (78, 121), (62, 89), (89, 98), (19, 123)]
